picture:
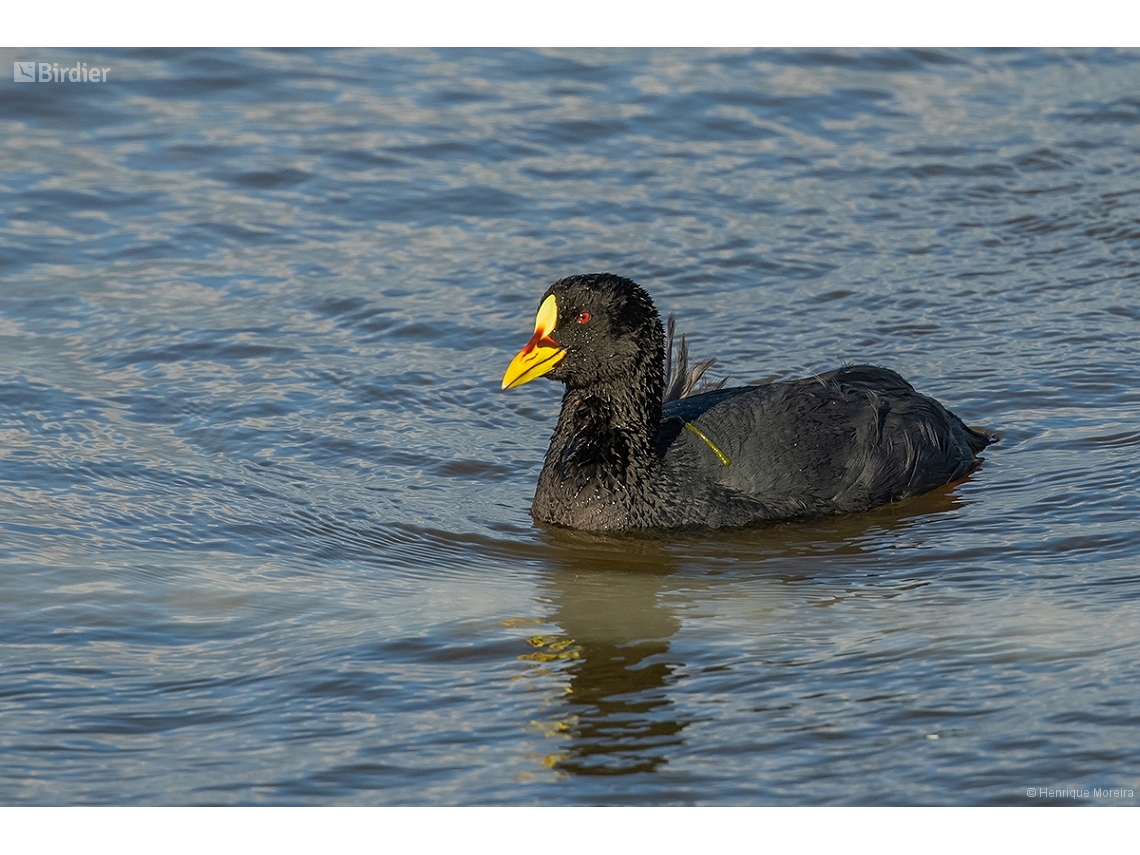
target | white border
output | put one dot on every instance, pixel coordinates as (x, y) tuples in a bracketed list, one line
[(573, 23)]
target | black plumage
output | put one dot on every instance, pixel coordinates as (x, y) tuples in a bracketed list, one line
[(633, 451)]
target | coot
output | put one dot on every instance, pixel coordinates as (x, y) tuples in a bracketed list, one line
[(622, 457)]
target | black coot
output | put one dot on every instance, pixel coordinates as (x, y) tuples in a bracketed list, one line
[(623, 457)]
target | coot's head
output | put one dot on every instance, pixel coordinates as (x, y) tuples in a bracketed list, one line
[(591, 330)]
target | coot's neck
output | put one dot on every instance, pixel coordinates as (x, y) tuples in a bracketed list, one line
[(602, 457)]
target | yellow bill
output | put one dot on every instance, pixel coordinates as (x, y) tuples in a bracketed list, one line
[(541, 353)]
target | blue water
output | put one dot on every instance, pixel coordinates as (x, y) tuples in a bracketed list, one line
[(264, 507)]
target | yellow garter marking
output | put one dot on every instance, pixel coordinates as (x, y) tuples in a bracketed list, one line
[(688, 426)]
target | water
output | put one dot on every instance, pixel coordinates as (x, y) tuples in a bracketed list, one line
[(264, 507)]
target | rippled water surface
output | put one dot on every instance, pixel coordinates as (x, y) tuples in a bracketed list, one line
[(264, 507)]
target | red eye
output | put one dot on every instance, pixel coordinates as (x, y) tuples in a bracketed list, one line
[(584, 318)]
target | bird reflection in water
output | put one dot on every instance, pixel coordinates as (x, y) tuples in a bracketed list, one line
[(616, 714)]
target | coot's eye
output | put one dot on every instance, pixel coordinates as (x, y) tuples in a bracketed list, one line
[(584, 318)]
